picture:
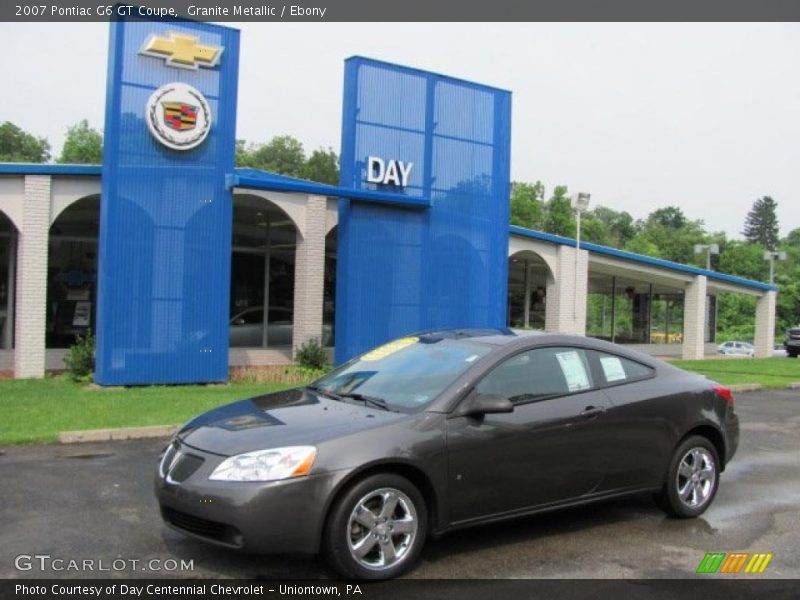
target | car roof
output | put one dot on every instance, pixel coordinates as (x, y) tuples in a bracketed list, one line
[(523, 338)]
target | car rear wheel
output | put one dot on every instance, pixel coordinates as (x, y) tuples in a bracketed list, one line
[(692, 480), (376, 529)]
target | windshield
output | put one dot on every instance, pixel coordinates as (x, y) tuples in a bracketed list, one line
[(407, 373)]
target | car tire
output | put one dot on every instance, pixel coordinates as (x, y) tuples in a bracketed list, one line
[(376, 529), (692, 479), (791, 354)]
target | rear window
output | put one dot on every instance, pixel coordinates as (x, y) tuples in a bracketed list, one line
[(616, 369)]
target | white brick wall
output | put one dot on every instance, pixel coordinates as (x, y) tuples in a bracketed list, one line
[(309, 274), (565, 307), (765, 325), (694, 318), (29, 360)]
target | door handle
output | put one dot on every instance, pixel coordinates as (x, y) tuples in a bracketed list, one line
[(590, 412)]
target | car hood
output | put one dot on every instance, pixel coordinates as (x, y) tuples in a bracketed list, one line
[(287, 418)]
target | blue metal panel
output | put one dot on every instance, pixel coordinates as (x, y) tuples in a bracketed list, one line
[(400, 271), (641, 258), (165, 219)]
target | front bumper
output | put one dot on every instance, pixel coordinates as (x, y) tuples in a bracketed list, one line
[(264, 517)]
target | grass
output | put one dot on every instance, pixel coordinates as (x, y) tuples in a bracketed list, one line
[(36, 410), (776, 372)]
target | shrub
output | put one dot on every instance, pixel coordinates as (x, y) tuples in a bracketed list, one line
[(80, 357), (311, 355)]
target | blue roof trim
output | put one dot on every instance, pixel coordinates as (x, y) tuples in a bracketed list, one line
[(641, 258), (48, 169), (257, 179)]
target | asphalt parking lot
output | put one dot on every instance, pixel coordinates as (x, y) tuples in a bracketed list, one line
[(94, 501)]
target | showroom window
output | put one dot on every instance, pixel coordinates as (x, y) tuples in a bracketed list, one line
[(72, 272), (262, 274), (8, 261)]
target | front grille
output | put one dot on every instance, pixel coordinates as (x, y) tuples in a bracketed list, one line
[(177, 465), (184, 466), (202, 527)]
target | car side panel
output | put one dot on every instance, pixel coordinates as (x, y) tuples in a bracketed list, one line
[(651, 417)]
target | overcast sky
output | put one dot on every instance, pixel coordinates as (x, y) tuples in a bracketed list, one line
[(702, 116)]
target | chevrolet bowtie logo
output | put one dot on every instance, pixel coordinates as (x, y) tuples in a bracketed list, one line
[(182, 51)]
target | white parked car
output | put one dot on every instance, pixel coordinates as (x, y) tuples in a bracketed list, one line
[(736, 348)]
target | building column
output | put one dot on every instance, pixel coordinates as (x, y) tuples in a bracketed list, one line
[(694, 319), (765, 325), (565, 303), (309, 274), (31, 292)]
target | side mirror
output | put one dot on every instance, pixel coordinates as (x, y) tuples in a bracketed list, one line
[(483, 404)]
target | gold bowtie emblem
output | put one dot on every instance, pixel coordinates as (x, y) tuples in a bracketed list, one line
[(182, 51)]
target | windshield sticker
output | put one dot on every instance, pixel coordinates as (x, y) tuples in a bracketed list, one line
[(612, 368), (390, 348), (573, 370)]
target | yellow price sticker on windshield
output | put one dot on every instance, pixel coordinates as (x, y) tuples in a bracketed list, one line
[(390, 348)]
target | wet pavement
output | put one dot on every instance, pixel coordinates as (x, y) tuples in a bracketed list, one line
[(94, 502)]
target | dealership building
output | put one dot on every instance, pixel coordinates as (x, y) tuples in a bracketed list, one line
[(185, 266), (284, 248)]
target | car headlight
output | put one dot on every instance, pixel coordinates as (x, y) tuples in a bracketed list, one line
[(266, 465)]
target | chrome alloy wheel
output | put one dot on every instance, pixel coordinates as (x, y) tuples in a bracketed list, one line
[(382, 528), (696, 478)]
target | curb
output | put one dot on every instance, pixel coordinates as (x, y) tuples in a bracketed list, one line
[(123, 433), (793, 386), (745, 387)]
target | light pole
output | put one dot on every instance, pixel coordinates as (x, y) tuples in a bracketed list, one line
[(709, 249), (772, 257), (580, 202)]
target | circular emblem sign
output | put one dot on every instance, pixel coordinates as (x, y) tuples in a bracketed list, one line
[(178, 116)]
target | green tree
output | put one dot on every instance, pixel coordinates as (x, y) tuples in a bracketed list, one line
[(527, 207), (595, 230), (673, 235), (761, 224), (641, 245), (322, 166), (82, 145), (283, 154), (669, 217), (559, 217), (620, 225), (17, 145), (744, 260), (793, 239)]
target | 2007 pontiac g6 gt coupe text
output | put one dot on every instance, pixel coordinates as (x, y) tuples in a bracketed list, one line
[(439, 431)]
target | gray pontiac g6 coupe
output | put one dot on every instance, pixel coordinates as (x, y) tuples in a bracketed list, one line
[(443, 430)]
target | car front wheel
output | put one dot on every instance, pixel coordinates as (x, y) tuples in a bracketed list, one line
[(376, 529), (692, 480)]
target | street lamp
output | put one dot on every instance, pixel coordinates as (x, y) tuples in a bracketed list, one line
[(709, 249), (772, 257), (580, 202)]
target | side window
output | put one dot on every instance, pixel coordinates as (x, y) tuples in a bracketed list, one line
[(616, 369), (539, 373)]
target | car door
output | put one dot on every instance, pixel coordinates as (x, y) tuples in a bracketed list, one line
[(547, 450), (640, 418)]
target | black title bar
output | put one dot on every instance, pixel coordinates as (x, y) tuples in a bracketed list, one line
[(405, 10)]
